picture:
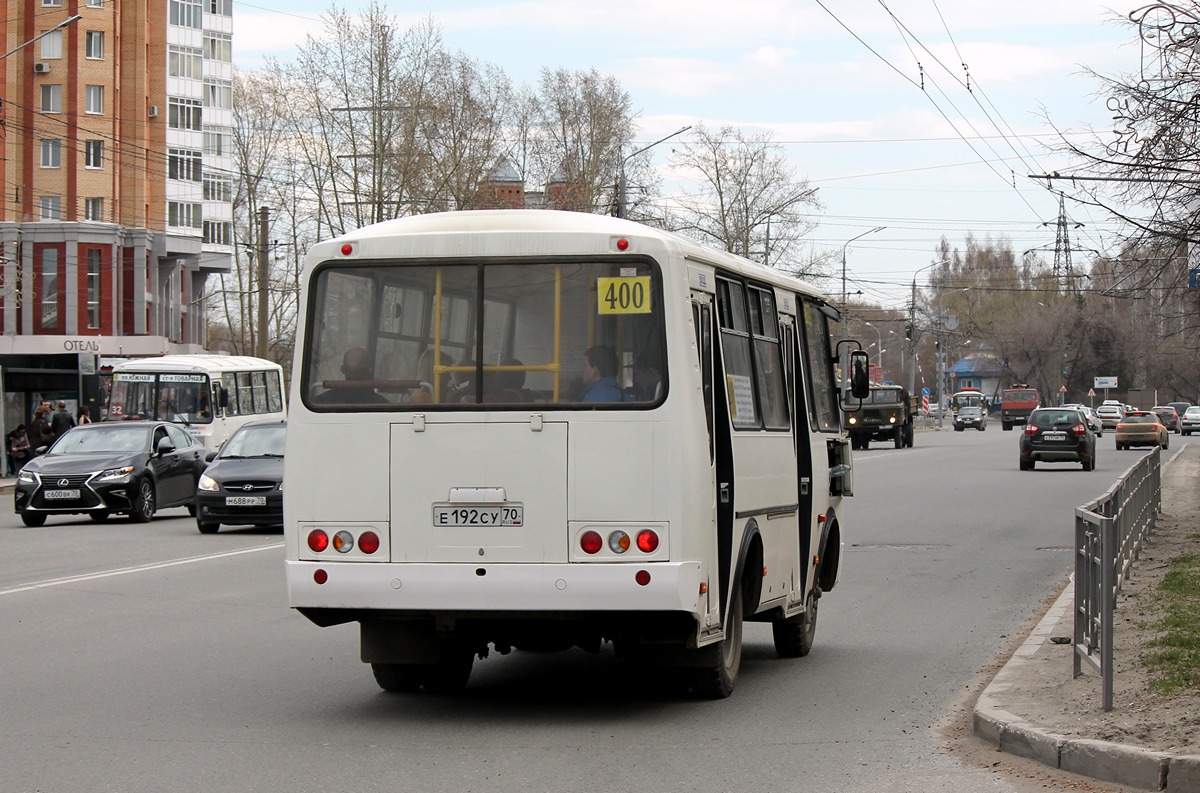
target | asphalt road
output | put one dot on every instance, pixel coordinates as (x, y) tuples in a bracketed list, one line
[(152, 658)]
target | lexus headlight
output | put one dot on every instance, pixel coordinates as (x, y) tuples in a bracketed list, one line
[(27, 477), (115, 473), (208, 483)]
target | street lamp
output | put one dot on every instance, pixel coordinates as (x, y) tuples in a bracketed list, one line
[(941, 351), (912, 326), (845, 359), (878, 346), (621, 174), (69, 20)]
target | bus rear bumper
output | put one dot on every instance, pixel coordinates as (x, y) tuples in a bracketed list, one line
[(498, 588)]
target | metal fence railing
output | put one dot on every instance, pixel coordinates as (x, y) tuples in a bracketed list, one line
[(1108, 537)]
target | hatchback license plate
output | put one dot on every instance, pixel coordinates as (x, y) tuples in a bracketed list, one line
[(245, 501), (1054, 436), (61, 495), (459, 515)]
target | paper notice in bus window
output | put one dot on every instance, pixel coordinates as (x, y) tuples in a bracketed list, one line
[(628, 295), (741, 400), (132, 377)]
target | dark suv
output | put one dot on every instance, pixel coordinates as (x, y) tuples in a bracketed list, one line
[(1057, 435)]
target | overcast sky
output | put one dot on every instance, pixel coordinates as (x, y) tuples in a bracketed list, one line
[(838, 83)]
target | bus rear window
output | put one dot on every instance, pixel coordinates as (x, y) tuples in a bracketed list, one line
[(461, 335)]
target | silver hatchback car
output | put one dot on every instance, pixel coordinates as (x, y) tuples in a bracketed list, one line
[(1189, 422)]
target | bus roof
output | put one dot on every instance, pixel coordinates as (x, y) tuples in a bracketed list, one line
[(194, 363), (485, 223)]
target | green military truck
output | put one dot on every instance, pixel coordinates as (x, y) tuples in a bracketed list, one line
[(885, 415)]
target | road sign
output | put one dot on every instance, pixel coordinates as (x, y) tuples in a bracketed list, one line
[(1091, 392), (924, 391), (1062, 389), (1104, 382)]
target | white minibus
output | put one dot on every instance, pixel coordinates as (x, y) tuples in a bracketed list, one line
[(554, 429), (210, 395)]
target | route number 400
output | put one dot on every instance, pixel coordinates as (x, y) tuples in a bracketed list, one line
[(630, 295)]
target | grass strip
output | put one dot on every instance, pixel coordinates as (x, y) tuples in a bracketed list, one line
[(1174, 663)]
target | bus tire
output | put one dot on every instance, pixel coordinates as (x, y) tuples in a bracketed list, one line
[(143, 502), (794, 635), (451, 672), (398, 678), (717, 681)]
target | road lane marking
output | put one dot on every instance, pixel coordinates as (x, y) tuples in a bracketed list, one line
[(142, 568)]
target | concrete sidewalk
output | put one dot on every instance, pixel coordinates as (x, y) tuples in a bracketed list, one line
[(1009, 714)]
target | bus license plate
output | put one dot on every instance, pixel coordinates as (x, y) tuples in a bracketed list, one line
[(458, 515), (61, 495), (245, 501)]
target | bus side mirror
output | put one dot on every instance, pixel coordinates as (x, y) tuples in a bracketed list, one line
[(222, 397), (860, 374)]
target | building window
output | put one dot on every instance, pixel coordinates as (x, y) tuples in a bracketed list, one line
[(51, 98), (51, 153), (218, 93), (51, 207), (184, 164), (222, 7), (186, 14), (218, 232), (93, 209), (184, 113), (93, 287), (218, 143), (185, 62), (94, 47), (94, 98), (93, 154), (95, 3), (218, 186), (51, 2), (218, 47), (52, 45), (184, 215), (50, 288)]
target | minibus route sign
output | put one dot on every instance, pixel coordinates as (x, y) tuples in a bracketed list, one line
[(625, 295)]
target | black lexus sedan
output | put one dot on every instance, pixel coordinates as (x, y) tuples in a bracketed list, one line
[(243, 484), (132, 468)]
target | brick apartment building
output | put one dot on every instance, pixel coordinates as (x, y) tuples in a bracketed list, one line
[(117, 196)]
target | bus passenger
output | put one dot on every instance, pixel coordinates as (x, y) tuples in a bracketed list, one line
[(600, 375), (357, 368)]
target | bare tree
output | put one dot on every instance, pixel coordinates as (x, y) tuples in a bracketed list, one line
[(584, 124), (748, 200)]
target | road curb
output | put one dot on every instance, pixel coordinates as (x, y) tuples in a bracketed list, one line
[(1105, 761)]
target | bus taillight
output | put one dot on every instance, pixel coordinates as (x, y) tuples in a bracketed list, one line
[(618, 542), (647, 541), (368, 542), (591, 542), (343, 542), (317, 540)]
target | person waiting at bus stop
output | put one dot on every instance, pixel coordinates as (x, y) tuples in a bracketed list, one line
[(600, 375)]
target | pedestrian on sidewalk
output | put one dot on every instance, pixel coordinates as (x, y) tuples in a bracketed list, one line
[(62, 421)]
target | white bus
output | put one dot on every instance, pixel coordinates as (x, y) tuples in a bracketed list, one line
[(554, 429), (211, 395)]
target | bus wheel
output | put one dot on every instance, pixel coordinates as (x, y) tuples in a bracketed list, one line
[(794, 635), (452, 670), (399, 678), (143, 503), (717, 681)]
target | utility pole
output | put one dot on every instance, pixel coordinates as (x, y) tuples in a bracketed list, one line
[(262, 343), (622, 187)]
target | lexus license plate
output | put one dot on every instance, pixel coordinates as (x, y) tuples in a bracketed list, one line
[(61, 495)]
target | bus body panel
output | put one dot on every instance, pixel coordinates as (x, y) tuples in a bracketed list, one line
[(451, 463), (495, 589)]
